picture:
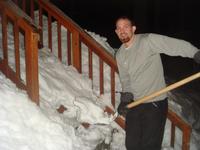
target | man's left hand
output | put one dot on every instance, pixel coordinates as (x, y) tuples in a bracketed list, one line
[(125, 99)]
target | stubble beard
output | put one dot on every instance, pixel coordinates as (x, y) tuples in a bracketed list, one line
[(125, 40)]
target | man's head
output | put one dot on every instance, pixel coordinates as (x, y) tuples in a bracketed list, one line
[(125, 30)]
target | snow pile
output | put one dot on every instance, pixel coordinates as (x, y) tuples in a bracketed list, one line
[(102, 41), (24, 126)]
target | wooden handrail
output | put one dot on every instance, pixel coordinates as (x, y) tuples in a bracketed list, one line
[(18, 19), (70, 25)]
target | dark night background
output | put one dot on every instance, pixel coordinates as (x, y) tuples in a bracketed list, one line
[(175, 18)]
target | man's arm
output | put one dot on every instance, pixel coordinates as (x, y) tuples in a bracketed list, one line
[(171, 46)]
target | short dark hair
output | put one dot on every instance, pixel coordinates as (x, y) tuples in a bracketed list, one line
[(127, 18)]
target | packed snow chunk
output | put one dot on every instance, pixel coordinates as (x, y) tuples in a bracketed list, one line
[(88, 111)]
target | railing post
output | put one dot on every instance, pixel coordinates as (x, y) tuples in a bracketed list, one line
[(76, 51), (31, 53), (186, 139)]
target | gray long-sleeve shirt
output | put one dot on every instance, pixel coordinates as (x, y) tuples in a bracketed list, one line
[(140, 66)]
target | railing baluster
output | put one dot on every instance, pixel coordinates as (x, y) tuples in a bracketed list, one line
[(112, 79), (41, 26), (16, 46), (5, 38), (24, 5), (90, 64), (172, 135), (32, 9), (185, 128), (59, 40), (101, 76), (16, 2), (69, 47), (76, 51), (49, 32)]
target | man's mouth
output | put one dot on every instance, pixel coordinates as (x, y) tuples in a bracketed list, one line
[(124, 39), (123, 35)]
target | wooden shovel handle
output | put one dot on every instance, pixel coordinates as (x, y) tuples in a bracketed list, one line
[(164, 90)]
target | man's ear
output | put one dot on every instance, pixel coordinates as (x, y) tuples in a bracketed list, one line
[(116, 31), (133, 28)]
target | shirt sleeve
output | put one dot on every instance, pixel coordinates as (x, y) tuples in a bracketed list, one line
[(171, 46)]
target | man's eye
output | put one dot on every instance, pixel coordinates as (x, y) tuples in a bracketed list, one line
[(127, 27)]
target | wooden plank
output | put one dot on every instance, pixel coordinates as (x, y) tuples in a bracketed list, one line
[(49, 32), (24, 5), (5, 37), (41, 27), (112, 80), (59, 41), (32, 9), (101, 76), (31, 58), (90, 64), (69, 47), (186, 138), (76, 51), (172, 134), (16, 47)]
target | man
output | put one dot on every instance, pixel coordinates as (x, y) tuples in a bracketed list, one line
[(141, 73)]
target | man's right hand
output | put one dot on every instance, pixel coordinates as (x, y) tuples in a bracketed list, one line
[(125, 98)]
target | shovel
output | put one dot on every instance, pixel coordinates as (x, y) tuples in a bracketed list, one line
[(164, 90)]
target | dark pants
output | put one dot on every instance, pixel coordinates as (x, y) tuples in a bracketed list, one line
[(145, 126)]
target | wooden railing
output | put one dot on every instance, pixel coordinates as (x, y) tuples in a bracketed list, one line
[(176, 121), (26, 6), (10, 15), (76, 36)]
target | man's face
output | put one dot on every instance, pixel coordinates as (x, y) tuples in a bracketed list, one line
[(124, 30)]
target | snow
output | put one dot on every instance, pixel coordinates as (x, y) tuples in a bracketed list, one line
[(25, 126)]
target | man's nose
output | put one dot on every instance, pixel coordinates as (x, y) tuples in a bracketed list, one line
[(121, 31)]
